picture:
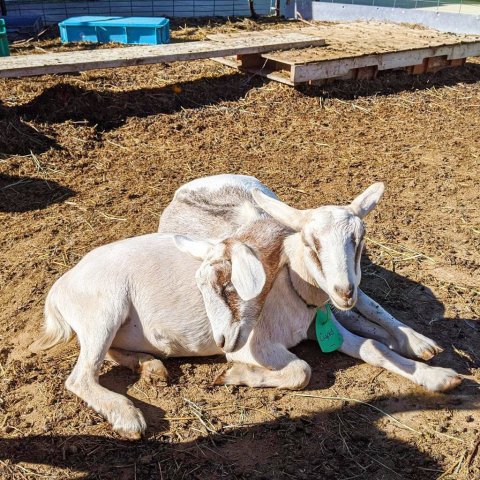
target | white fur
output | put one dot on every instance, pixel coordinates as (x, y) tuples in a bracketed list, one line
[(198, 249), (286, 320), (248, 275), (289, 216), (145, 295), (217, 182), (329, 235), (367, 200)]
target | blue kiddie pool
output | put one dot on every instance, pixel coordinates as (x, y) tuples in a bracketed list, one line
[(131, 30)]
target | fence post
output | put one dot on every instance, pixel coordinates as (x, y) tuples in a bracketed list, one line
[(253, 14)]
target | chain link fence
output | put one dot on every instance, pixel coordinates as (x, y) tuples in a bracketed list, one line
[(53, 11)]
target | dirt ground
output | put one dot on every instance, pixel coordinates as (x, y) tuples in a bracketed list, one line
[(91, 158)]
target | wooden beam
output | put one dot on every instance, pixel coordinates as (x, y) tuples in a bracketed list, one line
[(78, 61), (251, 60), (268, 34), (277, 75), (384, 61), (361, 50)]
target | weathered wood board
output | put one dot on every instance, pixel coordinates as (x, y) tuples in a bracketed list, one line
[(361, 50), (77, 61)]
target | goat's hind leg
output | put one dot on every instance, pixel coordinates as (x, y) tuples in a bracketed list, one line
[(125, 419), (435, 379), (151, 369)]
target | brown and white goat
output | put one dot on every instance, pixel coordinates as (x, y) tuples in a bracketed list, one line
[(143, 298), (323, 253)]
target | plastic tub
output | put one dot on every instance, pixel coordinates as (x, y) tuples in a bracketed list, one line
[(131, 30)]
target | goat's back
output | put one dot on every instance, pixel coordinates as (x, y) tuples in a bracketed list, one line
[(149, 271), (213, 207)]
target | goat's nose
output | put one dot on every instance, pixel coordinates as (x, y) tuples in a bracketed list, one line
[(345, 293)]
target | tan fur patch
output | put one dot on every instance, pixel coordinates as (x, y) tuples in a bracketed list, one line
[(265, 237), (223, 272)]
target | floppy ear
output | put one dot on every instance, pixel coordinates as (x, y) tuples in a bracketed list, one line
[(368, 200), (248, 275), (196, 248), (283, 213)]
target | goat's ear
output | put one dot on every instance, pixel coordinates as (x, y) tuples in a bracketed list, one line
[(196, 248), (368, 200), (248, 275), (283, 213)]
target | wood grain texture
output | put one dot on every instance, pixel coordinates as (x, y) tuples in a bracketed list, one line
[(52, 63)]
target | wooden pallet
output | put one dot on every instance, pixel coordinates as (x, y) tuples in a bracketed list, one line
[(416, 51), (76, 61)]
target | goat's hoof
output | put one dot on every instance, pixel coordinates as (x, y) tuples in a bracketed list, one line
[(129, 422), (220, 379), (129, 434), (437, 379), (416, 345), (451, 382), (430, 351), (153, 372), (233, 375)]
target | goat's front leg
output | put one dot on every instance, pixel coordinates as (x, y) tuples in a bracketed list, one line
[(435, 379), (125, 419), (359, 325), (406, 340), (269, 365)]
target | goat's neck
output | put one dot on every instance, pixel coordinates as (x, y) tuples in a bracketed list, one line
[(302, 281)]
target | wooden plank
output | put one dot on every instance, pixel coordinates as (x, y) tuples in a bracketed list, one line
[(267, 34), (384, 61), (435, 64), (279, 76), (418, 69), (362, 49), (356, 39), (286, 73), (77, 61), (251, 60), (458, 62), (366, 73)]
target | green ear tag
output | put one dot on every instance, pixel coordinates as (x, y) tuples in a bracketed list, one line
[(328, 336)]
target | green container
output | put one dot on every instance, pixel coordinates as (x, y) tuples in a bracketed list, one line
[(4, 51)]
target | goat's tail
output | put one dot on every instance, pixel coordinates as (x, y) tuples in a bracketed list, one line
[(55, 328)]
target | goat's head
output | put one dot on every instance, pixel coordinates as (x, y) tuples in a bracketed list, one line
[(230, 278), (332, 238)]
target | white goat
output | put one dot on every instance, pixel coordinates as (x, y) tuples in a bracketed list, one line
[(138, 298), (323, 261)]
